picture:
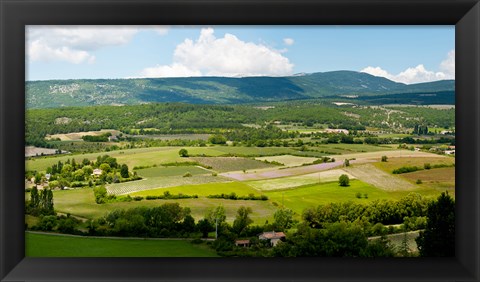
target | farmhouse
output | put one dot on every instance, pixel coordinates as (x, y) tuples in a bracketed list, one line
[(242, 243), (97, 172), (273, 237)]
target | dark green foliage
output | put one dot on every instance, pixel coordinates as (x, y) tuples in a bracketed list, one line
[(167, 196), (47, 223), (167, 220), (283, 219), (217, 139), (234, 196), (124, 171), (242, 220), (384, 158), (344, 180), (438, 239), (338, 239), (183, 153), (205, 226), (406, 169), (100, 193), (385, 212)]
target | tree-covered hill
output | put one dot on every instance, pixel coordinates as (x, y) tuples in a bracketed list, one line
[(218, 90)]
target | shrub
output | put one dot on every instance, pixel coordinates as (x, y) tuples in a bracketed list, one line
[(358, 195), (384, 158), (137, 198), (187, 174), (419, 181), (406, 169), (344, 180), (427, 166)]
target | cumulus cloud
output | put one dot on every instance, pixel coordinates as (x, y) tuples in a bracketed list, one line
[(75, 44), (288, 41), (419, 73), (226, 56)]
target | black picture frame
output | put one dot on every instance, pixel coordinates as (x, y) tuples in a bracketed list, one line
[(16, 14)]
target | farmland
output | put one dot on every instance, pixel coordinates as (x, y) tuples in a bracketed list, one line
[(266, 167)]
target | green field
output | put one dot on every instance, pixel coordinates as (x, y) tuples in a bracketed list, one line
[(395, 163), (45, 245), (239, 188), (81, 202), (309, 196)]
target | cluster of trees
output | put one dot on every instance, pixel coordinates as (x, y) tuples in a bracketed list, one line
[(79, 174), (379, 211), (420, 130), (41, 202), (234, 196)]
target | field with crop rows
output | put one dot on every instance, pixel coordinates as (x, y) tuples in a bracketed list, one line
[(172, 171), (161, 182), (288, 160), (223, 164)]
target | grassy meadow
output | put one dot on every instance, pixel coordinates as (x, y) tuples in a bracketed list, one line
[(53, 245)]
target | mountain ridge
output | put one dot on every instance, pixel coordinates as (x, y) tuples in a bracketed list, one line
[(218, 90)]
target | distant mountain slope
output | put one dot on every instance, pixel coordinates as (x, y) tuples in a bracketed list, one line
[(217, 90)]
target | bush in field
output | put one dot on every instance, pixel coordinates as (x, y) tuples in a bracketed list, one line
[(187, 174), (419, 181), (346, 162), (406, 169), (183, 153), (384, 158), (427, 166), (344, 180), (358, 195), (100, 193)]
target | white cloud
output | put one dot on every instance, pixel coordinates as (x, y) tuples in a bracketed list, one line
[(448, 65), (288, 41), (75, 44), (227, 56), (174, 70), (418, 74)]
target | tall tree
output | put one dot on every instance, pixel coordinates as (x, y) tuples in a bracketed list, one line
[(438, 239), (242, 220)]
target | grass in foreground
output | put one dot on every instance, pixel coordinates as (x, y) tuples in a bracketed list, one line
[(45, 245)]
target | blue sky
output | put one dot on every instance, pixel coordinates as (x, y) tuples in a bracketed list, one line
[(408, 54)]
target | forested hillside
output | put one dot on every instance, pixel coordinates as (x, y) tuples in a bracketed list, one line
[(223, 90)]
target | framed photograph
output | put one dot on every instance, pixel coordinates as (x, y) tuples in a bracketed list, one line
[(254, 140)]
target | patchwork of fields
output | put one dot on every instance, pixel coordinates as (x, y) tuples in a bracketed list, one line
[(296, 184)]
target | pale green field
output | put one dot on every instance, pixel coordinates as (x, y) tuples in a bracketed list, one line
[(395, 162), (351, 148), (240, 188), (288, 160), (300, 180)]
